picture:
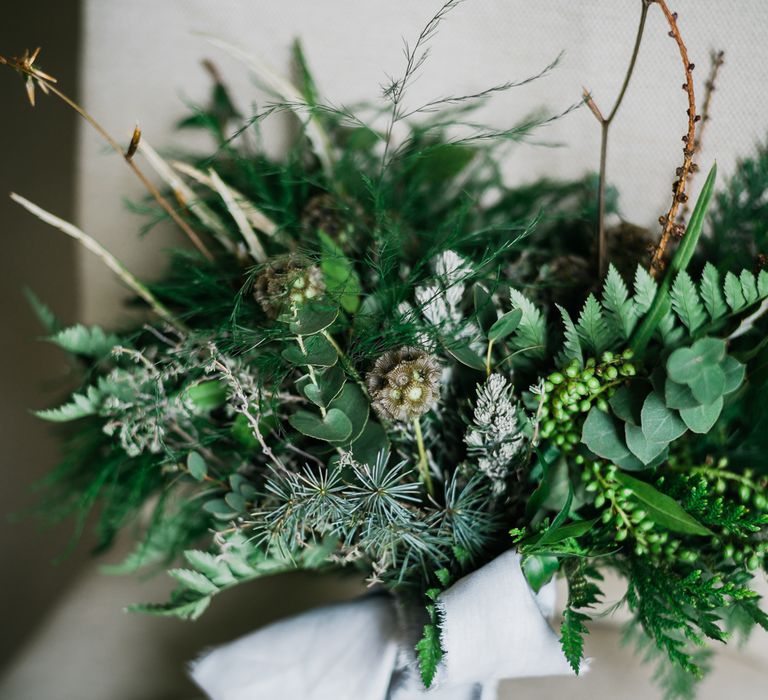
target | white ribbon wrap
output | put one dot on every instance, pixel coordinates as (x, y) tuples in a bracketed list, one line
[(493, 627)]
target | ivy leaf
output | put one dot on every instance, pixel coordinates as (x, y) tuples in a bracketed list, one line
[(662, 509), (506, 325), (335, 426), (686, 303), (196, 466), (700, 419), (711, 294), (659, 423)]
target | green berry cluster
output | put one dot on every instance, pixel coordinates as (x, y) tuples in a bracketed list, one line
[(574, 390), (629, 522)]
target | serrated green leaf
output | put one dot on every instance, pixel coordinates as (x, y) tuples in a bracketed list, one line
[(734, 296), (621, 312), (429, 653), (333, 427), (700, 419), (67, 412), (214, 568), (592, 327), (571, 344), (42, 311), (82, 340), (532, 332), (190, 610), (762, 283), (196, 466), (194, 581), (686, 303), (572, 632), (748, 286), (711, 294), (659, 423), (645, 289), (662, 509)]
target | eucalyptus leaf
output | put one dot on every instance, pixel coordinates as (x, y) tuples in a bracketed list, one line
[(353, 403), (627, 403), (678, 395), (660, 424), (333, 427), (196, 466), (370, 443), (709, 385), (319, 353), (700, 419), (313, 318), (662, 509), (640, 446), (602, 437), (734, 374), (330, 382)]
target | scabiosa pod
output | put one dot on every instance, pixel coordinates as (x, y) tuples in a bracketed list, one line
[(286, 284)]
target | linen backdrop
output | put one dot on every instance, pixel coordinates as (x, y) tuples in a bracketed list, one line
[(141, 62)]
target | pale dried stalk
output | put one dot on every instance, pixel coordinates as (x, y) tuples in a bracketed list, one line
[(97, 249)]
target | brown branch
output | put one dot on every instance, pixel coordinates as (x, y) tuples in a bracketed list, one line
[(670, 228), (25, 66), (716, 59)]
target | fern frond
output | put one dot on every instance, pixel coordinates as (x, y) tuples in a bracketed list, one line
[(571, 344), (620, 309), (686, 302), (645, 288), (531, 333), (593, 328), (711, 294)]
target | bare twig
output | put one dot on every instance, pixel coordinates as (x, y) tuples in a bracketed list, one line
[(35, 77), (670, 228), (605, 123)]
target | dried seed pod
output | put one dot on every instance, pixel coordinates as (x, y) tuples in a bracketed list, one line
[(404, 384), (287, 283)]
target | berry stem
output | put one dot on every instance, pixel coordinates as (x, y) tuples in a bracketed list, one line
[(423, 464)]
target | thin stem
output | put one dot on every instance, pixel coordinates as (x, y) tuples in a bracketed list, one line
[(423, 465), (605, 123), (46, 83), (488, 359)]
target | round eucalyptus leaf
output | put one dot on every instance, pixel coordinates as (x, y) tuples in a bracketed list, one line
[(700, 419), (333, 427), (660, 424)]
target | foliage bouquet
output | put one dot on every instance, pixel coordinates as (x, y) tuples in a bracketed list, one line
[(378, 356)]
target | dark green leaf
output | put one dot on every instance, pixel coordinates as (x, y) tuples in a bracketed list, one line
[(313, 318), (464, 354), (678, 395), (662, 509), (539, 569), (334, 427), (196, 466), (506, 325), (207, 395), (353, 403), (371, 442), (602, 437), (644, 450), (319, 353), (700, 419), (659, 423)]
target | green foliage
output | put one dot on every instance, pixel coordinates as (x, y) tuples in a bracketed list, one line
[(80, 340)]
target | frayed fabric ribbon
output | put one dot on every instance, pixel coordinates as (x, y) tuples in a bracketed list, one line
[(493, 627)]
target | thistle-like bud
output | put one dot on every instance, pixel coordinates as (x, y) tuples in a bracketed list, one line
[(404, 384), (286, 284), (336, 218)]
